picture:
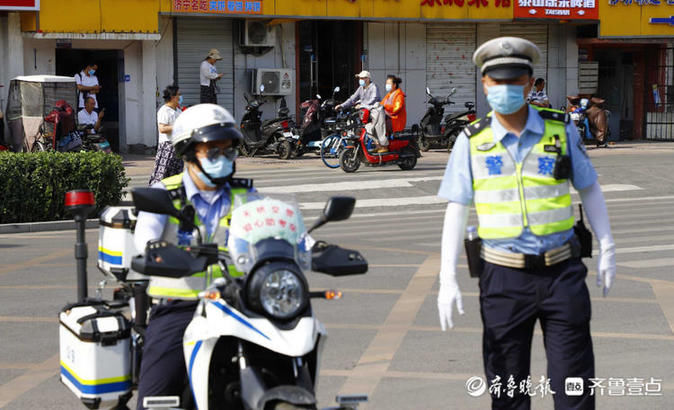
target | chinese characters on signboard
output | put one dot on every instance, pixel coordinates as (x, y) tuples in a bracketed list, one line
[(466, 3), (218, 6), (557, 9)]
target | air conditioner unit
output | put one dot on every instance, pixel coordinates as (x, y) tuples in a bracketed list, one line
[(256, 33), (276, 81)]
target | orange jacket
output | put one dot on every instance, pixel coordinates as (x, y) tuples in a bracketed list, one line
[(394, 104)]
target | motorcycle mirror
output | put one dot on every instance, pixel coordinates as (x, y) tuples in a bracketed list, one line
[(318, 96), (154, 200), (453, 91), (428, 91), (338, 208), (261, 88), (336, 89)]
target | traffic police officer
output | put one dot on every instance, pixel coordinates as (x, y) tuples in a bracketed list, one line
[(507, 165), (206, 137)]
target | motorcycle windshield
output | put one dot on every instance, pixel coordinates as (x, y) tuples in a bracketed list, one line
[(256, 217)]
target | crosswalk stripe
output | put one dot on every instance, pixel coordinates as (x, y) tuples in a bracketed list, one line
[(350, 185)]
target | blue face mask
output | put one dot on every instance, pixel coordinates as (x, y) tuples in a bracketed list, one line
[(91, 72), (388, 88), (220, 167), (180, 100), (361, 82), (506, 98)]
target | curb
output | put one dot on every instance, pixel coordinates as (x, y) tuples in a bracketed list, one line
[(45, 226)]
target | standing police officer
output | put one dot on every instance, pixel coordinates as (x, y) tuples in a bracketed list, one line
[(206, 137), (517, 165)]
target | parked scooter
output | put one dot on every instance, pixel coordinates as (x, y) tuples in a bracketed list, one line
[(591, 119), (434, 131), (265, 135), (360, 148), (254, 342), (317, 123)]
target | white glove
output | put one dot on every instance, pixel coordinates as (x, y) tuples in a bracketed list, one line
[(449, 294), (456, 217), (606, 266), (595, 208)]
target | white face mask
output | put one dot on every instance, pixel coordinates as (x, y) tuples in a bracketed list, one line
[(389, 87)]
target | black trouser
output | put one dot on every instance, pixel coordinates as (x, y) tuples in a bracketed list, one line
[(162, 370), (207, 94), (511, 300)]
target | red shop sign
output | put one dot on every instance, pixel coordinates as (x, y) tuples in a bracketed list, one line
[(557, 9), (19, 4)]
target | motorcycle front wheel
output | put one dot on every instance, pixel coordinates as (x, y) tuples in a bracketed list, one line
[(451, 140), (424, 144), (349, 160)]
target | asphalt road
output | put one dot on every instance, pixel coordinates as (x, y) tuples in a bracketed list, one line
[(384, 337)]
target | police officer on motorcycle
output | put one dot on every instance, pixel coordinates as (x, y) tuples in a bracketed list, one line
[(206, 137)]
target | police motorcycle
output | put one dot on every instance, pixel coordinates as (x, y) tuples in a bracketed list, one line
[(253, 343), (269, 135), (433, 130)]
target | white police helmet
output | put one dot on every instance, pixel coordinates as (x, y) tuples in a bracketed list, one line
[(203, 123)]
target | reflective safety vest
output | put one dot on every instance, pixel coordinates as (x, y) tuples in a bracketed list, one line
[(188, 288), (510, 196)]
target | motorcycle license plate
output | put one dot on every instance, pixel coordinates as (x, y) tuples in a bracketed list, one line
[(290, 135)]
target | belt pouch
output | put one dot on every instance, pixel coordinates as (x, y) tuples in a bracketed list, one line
[(475, 263)]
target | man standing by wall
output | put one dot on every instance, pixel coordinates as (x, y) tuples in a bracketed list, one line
[(208, 75)]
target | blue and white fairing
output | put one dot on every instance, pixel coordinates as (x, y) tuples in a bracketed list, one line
[(255, 218)]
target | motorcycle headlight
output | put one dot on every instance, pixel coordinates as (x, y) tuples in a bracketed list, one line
[(278, 290)]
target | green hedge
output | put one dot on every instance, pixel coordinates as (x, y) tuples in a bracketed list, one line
[(33, 185)]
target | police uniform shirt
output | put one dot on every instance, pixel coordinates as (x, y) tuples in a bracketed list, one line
[(84, 118), (210, 207), (457, 183), (87, 81)]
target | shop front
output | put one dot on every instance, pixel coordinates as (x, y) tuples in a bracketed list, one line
[(635, 60)]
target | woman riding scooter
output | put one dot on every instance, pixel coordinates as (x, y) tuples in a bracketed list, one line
[(394, 108)]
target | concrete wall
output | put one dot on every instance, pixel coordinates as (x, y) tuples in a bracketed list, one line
[(400, 49), (11, 54), (562, 75), (281, 56)]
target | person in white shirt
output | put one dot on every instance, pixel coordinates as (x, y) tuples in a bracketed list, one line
[(208, 75), (537, 95), (87, 84), (166, 162), (87, 116)]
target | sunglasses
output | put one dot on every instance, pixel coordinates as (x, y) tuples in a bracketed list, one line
[(230, 153)]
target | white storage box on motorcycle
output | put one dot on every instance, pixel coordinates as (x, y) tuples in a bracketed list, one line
[(94, 341), (115, 243)]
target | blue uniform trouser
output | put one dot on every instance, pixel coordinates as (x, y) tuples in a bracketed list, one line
[(162, 369), (511, 301)]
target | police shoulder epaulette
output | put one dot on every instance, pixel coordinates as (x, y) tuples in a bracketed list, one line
[(554, 115), (475, 128), (241, 183)]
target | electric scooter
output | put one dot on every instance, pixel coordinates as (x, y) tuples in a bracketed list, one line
[(432, 129), (265, 135), (360, 147)]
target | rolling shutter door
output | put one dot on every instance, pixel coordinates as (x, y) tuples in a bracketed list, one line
[(195, 37), (449, 64), (537, 34)]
